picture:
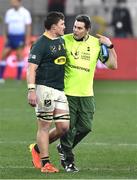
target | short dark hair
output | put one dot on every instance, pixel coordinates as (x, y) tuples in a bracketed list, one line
[(85, 19), (53, 17)]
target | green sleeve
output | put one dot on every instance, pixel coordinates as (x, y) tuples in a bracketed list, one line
[(36, 53)]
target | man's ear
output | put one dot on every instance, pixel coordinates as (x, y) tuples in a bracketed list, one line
[(53, 26), (89, 30)]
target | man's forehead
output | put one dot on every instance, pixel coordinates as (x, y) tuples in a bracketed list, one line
[(79, 24), (61, 21)]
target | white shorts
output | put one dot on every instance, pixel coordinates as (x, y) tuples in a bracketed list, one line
[(51, 104)]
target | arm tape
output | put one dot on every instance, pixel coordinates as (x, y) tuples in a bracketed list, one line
[(31, 86)]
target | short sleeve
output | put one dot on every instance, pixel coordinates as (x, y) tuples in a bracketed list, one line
[(28, 19), (35, 54)]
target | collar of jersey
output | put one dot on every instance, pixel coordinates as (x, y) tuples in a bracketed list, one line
[(83, 38), (46, 34)]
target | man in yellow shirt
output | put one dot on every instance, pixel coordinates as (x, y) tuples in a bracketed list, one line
[(83, 51)]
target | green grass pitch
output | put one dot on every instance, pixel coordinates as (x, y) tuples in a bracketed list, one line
[(109, 152)]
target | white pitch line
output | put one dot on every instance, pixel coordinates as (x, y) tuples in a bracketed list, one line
[(90, 169), (84, 143), (16, 167), (16, 110), (116, 92), (110, 144), (16, 142)]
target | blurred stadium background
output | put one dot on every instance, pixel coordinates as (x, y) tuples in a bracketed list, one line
[(100, 12), (110, 152), (39, 9)]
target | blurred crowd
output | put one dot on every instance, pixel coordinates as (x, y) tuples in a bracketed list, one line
[(111, 17), (115, 18), (116, 21)]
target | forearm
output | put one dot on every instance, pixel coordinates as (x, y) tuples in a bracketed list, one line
[(31, 76), (31, 73), (112, 61)]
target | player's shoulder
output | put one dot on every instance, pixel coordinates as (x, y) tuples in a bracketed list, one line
[(68, 36), (9, 11), (93, 40), (40, 39), (24, 10), (38, 44)]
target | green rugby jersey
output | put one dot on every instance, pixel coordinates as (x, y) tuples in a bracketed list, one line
[(50, 56), (81, 61)]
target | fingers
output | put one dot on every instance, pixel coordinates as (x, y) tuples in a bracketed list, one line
[(32, 99), (99, 35), (32, 102), (104, 40)]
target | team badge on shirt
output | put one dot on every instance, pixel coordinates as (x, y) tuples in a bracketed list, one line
[(32, 56), (53, 49)]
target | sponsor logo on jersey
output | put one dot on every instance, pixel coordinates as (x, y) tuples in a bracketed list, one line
[(60, 60), (79, 67)]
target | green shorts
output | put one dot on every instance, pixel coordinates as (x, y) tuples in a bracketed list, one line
[(81, 112)]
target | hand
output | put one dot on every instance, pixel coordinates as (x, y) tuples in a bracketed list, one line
[(32, 99), (104, 40)]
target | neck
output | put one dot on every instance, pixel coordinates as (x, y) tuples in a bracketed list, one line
[(16, 7), (50, 34), (83, 38)]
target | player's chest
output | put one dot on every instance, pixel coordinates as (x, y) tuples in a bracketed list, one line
[(16, 18), (83, 51)]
